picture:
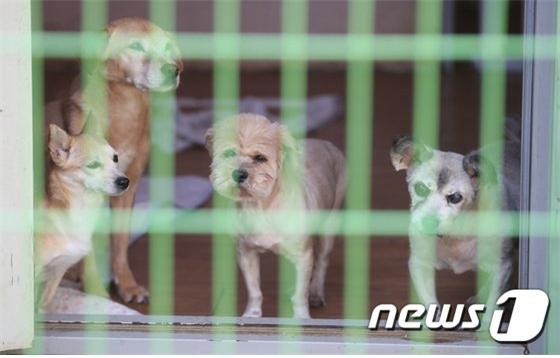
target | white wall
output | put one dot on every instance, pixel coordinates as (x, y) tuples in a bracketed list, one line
[(16, 176)]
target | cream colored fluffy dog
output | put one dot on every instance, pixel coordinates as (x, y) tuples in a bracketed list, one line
[(258, 164)]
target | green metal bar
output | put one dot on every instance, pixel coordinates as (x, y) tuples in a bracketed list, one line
[(426, 105), (38, 100), (321, 47), (226, 96), (359, 147), (427, 76), (492, 119), (94, 19), (39, 175), (356, 222), (293, 90), (162, 166), (293, 75), (371, 223)]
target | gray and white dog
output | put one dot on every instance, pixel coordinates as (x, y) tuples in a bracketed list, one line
[(443, 186)]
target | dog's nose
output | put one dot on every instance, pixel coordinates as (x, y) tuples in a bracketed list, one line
[(122, 183), (239, 175), (169, 70)]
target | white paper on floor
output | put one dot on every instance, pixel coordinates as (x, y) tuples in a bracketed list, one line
[(191, 191), (68, 300), (194, 116)]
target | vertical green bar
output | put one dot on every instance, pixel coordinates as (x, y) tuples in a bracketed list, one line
[(38, 99), (427, 76), (94, 19), (162, 168), (293, 92), (359, 148), (492, 117), (553, 325), (226, 98), (359, 134), (293, 81), (39, 175), (426, 104)]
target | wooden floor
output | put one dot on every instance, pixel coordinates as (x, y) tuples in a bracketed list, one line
[(393, 102)]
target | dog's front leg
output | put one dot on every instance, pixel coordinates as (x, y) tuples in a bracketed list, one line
[(496, 282), (248, 260), (129, 290), (304, 267), (50, 288), (421, 266)]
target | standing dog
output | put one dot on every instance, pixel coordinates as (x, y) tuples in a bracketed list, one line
[(84, 169), (442, 186), (139, 57), (258, 164)]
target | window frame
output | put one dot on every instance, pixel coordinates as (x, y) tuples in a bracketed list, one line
[(66, 334), (16, 196), (536, 154)]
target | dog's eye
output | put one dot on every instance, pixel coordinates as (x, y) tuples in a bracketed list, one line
[(454, 198), (421, 190), (115, 158), (229, 153), (260, 158), (94, 165), (136, 46)]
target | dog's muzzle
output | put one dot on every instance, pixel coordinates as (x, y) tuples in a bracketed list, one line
[(239, 175), (170, 72)]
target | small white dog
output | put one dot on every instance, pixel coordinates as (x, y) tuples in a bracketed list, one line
[(259, 164), (443, 186)]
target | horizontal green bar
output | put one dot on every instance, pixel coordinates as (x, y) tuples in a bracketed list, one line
[(353, 222), (319, 47)]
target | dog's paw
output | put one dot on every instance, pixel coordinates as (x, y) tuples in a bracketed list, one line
[(252, 313), (137, 294), (316, 300), (302, 313)]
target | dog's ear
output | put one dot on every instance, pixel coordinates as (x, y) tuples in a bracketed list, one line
[(405, 152), (479, 169), (110, 29), (209, 141), (59, 144)]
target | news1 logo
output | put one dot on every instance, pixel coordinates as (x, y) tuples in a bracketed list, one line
[(527, 319)]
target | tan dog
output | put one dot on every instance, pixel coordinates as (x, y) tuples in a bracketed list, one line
[(258, 164), (84, 169), (139, 57)]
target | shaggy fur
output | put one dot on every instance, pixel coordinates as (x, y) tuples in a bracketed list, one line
[(259, 165)]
